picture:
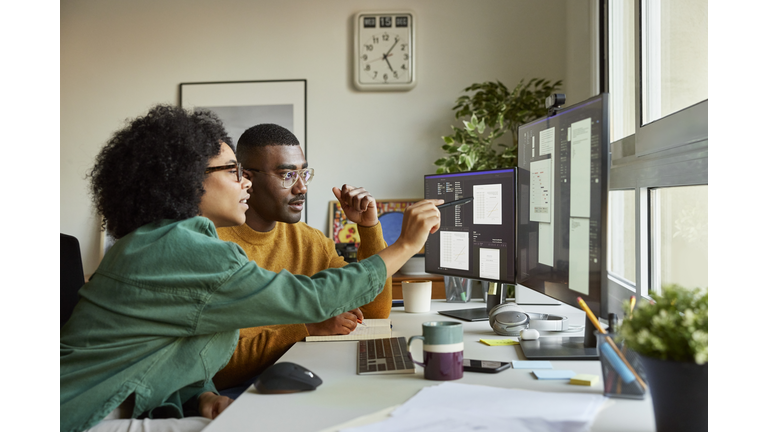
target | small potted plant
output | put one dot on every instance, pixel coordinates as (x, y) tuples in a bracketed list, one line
[(670, 333), (488, 112)]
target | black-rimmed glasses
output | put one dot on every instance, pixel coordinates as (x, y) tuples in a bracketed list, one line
[(233, 166), (291, 177)]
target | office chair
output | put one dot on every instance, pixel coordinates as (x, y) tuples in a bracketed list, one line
[(71, 276)]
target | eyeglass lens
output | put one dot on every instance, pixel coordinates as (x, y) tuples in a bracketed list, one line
[(292, 177)]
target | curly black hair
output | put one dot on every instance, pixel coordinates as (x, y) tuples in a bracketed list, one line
[(266, 134), (154, 168)]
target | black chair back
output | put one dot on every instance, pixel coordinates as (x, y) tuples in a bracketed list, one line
[(72, 277)]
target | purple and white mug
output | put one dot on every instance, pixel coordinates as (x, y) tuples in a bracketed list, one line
[(443, 350)]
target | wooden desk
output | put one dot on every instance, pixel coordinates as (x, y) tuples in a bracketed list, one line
[(438, 284)]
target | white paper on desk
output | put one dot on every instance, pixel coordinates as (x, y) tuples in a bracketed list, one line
[(453, 407)]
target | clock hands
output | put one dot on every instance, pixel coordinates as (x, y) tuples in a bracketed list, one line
[(374, 69), (389, 53), (397, 39), (389, 64)]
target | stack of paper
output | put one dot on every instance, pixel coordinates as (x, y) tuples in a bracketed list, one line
[(452, 407)]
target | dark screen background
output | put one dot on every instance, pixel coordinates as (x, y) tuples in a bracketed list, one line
[(455, 186)]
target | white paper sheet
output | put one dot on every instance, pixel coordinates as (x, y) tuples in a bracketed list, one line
[(541, 196), (490, 263), (541, 191), (454, 249), (547, 137), (487, 204), (581, 156), (578, 256), (450, 407)]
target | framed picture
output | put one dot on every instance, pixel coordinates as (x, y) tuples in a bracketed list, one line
[(242, 104), (390, 213)]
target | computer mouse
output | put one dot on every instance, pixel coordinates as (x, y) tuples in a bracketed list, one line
[(286, 377), (529, 334)]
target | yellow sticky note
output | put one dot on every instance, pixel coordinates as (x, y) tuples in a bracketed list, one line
[(499, 342), (584, 379)]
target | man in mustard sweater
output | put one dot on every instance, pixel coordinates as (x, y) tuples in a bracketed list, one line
[(276, 240)]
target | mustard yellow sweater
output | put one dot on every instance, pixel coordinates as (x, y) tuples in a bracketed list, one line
[(299, 249)]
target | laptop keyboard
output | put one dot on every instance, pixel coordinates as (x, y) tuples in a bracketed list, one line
[(384, 356)]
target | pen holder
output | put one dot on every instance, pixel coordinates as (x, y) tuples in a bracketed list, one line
[(457, 289), (618, 379)]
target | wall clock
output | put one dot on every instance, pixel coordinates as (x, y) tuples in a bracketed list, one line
[(384, 51)]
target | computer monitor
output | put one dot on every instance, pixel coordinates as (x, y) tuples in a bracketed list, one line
[(476, 240), (563, 166)]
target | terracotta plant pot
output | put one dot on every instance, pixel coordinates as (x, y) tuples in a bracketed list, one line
[(679, 392)]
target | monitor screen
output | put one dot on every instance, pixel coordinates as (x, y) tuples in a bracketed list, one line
[(563, 165), (476, 240)]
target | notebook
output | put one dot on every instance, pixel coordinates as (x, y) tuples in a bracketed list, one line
[(370, 329)]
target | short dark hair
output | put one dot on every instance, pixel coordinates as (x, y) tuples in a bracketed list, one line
[(263, 135), (154, 168)]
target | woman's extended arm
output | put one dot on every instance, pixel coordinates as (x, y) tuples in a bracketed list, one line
[(419, 220)]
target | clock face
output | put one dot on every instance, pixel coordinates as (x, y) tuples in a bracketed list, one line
[(384, 51)]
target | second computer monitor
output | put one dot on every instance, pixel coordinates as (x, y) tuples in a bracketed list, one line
[(563, 170), (476, 240)]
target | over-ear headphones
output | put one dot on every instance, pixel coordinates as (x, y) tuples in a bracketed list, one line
[(507, 319)]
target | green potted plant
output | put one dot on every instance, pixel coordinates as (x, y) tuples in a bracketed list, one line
[(488, 113), (670, 333)]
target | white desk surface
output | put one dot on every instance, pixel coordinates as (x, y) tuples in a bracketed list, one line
[(344, 395)]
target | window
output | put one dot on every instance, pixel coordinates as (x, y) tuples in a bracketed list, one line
[(621, 69), (674, 35), (679, 235), (621, 235), (657, 79)]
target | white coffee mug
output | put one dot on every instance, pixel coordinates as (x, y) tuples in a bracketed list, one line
[(417, 295)]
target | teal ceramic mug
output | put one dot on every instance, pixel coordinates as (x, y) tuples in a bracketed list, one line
[(443, 350)]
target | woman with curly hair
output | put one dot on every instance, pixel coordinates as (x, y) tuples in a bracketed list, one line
[(160, 316)]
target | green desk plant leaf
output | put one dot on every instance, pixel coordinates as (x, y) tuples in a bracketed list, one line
[(488, 113), (672, 327)]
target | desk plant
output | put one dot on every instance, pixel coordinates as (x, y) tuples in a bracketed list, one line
[(488, 113), (671, 335)]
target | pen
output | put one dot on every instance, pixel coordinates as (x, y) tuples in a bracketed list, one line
[(359, 321), (613, 355), (457, 202)]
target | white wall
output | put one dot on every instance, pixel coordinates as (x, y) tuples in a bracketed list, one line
[(119, 58)]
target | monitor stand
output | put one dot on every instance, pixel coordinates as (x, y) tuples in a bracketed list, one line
[(558, 348), (496, 295), (476, 314), (563, 348)]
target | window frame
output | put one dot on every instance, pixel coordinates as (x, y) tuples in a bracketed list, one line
[(668, 152)]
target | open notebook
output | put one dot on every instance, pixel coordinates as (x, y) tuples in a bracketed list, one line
[(370, 329)]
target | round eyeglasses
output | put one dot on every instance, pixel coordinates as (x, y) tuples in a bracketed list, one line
[(233, 166), (291, 177)]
